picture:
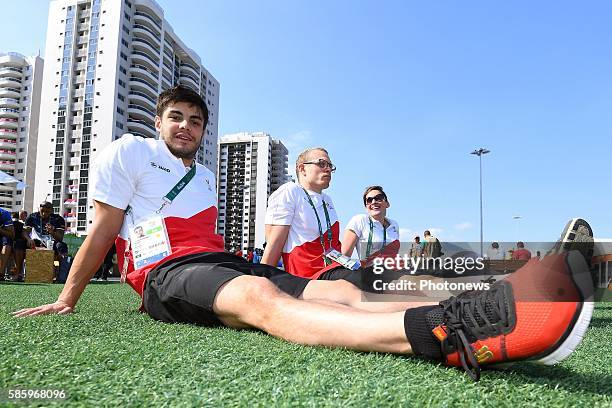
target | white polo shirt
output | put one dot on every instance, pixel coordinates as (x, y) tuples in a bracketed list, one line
[(303, 252), (138, 172), (360, 225)]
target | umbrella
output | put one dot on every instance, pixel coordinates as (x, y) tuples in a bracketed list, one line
[(6, 179)]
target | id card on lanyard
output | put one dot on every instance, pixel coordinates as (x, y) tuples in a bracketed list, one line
[(326, 260), (148, 237)]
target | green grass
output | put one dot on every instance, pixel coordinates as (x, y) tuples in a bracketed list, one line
[(108, 354)]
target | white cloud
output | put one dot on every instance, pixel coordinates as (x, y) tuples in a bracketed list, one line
[(463, 226)]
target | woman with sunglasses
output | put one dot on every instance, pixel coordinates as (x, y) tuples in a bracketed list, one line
[(376, 234)]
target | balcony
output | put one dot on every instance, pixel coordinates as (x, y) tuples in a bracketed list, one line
[(9, 113), (148, 48), (6, 165), (10, 71), (8, 144), (73, 188), (6, 198), (190, 69), (6, 187), (147, 33), (141, 71), (70, 202), (143, 16), (141, 127), (143, 84), (9, 103), (141, 58), (10, 92), (7, 154), (74, 161), (188, 82), (10, 82), (75, 148), (8, 123), (8, 133), (140, 98), (140, 113)]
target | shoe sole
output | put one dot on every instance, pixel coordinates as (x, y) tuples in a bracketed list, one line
[(577, 235), (584, 283)]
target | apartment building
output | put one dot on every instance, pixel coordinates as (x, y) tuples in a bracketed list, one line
[(20, 86), (251, 167), (107, 61)]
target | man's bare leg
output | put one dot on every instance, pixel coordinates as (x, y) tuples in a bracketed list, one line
[(345, 293), (254, 302)]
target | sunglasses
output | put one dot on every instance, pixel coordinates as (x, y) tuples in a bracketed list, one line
[(378, 197), (322, 163)]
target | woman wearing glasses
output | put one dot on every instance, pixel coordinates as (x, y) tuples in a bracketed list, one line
[(376, 234)]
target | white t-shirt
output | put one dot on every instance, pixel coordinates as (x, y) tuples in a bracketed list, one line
[(303, 252), (360, 225), (139, 172)]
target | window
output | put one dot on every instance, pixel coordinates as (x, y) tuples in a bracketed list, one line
[(121, 97), (119, 124), (126, 30), (122, 83), (120, 111)]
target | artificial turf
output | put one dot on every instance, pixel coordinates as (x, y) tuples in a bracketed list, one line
[(108, 354)]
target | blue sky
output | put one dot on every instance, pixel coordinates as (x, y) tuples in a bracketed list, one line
[(401, 92)]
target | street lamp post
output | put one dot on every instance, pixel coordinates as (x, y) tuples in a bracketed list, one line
[(479, 153)]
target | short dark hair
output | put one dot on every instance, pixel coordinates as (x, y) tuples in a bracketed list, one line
[(371, 188), (520, 244), (180, 93), (495, 245), (46, 204)]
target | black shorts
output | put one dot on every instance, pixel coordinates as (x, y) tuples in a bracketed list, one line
[(183, 289)]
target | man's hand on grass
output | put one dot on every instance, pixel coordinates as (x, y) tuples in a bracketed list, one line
[(58, 307)]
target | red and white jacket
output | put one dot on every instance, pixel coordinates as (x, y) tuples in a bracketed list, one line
[(139, 172), (303, 252)]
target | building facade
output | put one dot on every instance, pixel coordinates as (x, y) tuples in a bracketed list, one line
[(20, 86), (107, 61), (251, 167)]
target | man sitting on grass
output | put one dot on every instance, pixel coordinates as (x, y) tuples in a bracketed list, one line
[(180, 269)]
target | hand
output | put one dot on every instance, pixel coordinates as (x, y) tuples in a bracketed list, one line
[(49, 228), (31, 244), (58, 307)]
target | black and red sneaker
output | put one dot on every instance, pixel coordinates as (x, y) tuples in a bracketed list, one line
[(539, 313)]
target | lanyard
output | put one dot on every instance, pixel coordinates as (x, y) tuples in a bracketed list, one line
[(178, 187), (173, 193), (329, 228), (369, 247)]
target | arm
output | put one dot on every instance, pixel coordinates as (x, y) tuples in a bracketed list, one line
[(103, 232), (348, 242), (276, 237)]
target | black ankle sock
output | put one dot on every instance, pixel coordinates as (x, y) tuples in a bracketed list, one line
[(418, 324)]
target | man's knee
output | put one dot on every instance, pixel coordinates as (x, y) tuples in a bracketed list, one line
[(245, 301), (339, 291)]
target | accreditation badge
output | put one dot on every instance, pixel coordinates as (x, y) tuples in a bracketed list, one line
[(149, 241)]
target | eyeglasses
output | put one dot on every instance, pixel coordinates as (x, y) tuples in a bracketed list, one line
[(322, 163), (378, 197)]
